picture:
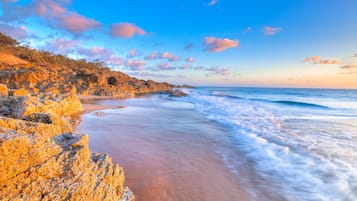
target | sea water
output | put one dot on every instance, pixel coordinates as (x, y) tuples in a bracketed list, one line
[(275, 144), (304, 141)]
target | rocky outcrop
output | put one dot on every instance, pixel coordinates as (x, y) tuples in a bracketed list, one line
[(177, 93), (42, 159), (39, 71)]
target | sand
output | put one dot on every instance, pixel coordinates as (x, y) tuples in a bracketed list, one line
[(160, 164)]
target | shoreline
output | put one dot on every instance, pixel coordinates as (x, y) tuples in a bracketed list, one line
[(152, 182)]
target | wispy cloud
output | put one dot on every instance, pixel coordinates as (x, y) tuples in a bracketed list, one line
[(247, 30), (95, 52), (349, 67), (17, 32), (188, 46), (318, 60), (218, 71), (190, 59), (270, 31), (165, 66), (212, 2), (135, 64), (61, 46), (126, 30), (170, 57), (214, 44), (134, 53), (152, 56)]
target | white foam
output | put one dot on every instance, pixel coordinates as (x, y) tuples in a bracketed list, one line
[(305, 164)]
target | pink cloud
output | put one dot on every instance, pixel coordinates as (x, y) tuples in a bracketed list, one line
[(319, 60), (135, 64), (133, 53), (61, 46), (95, 53), (218, 71), (269, 31), (76, 23), (328, 61), (125, 30), (59, 16), (113, 60), (170, 57), (190, 59), (313, 58), (165, 66), (349, 67), (152, 56), (214, 44), (19, 32)]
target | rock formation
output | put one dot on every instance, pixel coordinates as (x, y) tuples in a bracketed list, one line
[(42, 159), (40, 71)]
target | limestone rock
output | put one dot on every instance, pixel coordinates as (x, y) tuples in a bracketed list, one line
[(42, 159), (3, 90)]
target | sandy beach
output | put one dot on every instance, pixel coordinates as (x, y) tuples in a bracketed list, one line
[(164, 159)]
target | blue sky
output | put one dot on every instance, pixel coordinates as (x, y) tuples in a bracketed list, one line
[(230, 43)]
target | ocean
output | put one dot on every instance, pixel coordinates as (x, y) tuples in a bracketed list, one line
[(274, 144)]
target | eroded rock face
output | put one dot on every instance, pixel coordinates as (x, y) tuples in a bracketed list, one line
[(42, 159)]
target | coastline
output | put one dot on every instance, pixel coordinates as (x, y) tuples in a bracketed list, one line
[(200, 173)]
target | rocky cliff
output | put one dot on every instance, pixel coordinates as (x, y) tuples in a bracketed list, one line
[(42, 159), (39, 71)]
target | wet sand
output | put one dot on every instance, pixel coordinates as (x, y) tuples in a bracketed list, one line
[(164, 152)]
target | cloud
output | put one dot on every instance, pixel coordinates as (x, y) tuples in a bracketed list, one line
[(190, 59), (328, 61), (17, 32), (96, 53), (102, 54), (61, 46), (135, 64), (269, 31), (170, 57), (147, 74), (152, 56), (212, 2), (53, 12), (349, 67), (188, 46), (165, 66), (113, 61), (125, 30), (218, 71), (247, 30), (133, 53), (76, 24), (57, 15), (214, 44), (319, 60)]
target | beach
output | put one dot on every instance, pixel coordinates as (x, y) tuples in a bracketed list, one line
[(168, 151), (231, 143)]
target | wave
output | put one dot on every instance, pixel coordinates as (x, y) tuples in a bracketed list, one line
[(284, 102), (302, 104), (300, 162)]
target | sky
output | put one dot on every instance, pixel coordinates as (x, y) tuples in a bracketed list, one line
[(259, 43)]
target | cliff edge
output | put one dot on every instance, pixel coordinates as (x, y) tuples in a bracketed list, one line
[(41, 158)]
